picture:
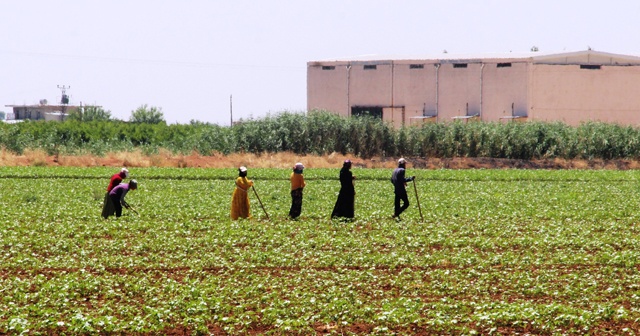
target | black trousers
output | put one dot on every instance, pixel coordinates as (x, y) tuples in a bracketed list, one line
[(296, 203), (401, 195), (117, 205)]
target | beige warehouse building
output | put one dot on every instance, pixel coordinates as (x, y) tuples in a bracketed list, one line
[(569, 87)]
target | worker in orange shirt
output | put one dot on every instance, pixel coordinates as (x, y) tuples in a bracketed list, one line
[(297, 185)]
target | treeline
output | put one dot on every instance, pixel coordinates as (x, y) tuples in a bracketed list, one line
[(325, 133)]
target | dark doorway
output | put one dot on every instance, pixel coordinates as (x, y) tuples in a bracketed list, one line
[(371, 111)]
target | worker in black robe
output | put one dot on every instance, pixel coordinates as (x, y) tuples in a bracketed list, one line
[(344, 207)]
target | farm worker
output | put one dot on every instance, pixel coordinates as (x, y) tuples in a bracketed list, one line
[(116, 179), (240, 198), (346, 197), (118, 193), (399, 186), (297, 184)]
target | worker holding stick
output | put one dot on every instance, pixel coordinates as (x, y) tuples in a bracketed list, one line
[(117, 195), (240, 207), (399, 185), (108, 208)]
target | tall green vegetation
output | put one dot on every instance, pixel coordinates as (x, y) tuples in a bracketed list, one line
[(147, 115), (90, 113), (320, 133)]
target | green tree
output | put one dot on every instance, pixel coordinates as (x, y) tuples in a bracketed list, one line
[(147, 115), (90, 113)]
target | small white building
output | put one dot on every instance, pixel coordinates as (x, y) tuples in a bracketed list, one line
[(42, 111)]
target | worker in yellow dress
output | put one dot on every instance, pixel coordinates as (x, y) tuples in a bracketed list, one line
[(240, 198)]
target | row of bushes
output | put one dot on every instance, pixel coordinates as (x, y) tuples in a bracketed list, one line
[(323, 133)]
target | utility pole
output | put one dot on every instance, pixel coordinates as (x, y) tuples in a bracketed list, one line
[(231, 108), (64, 100)]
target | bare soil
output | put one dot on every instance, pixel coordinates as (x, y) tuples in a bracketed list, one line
[(287, 160)]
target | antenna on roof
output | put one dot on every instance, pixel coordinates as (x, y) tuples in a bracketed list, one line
[(64, 100)]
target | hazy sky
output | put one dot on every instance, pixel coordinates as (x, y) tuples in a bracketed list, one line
[(188, 57)]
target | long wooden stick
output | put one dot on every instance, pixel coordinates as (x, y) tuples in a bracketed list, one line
[(263, 209), (131, 208), (417, 199)]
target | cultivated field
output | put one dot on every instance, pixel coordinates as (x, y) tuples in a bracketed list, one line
[(499, 251)]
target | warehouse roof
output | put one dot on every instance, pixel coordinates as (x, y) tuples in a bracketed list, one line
[(577, 57)]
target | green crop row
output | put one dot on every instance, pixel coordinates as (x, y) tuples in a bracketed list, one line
[(323, 133), (155, 173), (498, 251)]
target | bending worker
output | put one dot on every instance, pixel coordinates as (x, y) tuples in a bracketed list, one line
[(107, 206), (118, 194)]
